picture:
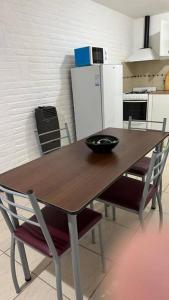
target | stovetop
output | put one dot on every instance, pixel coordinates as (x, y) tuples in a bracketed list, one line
[(139, 93)]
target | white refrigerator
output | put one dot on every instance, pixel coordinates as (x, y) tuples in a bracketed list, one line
[(97, 98)]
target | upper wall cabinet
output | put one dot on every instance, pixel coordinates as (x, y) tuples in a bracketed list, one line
[(160, 41)]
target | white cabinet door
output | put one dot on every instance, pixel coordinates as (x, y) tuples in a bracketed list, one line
[(159, 41), (164, 39), (160, 110)]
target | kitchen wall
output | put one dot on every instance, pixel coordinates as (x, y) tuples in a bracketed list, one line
[(37, 38), (151, 73), (142, 74)]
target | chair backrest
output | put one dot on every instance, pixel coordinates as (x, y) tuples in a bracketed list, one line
[(132, 123), (13, 213), (64, 134), (154, 173)]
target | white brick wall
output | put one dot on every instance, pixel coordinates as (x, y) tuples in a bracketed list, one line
[(37, 38)]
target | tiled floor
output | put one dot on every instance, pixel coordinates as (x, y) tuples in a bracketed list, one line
[(42, 285)]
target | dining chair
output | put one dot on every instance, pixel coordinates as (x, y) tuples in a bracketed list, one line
[(140, 169), (46, 230), (134, 195), (63, 133)]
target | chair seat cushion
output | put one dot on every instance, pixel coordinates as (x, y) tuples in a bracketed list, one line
[(141, 167), (127, 192), (57, 224)]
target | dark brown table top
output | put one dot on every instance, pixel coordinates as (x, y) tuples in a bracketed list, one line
[(71, 177)]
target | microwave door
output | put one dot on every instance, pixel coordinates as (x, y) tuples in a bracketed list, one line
[(97, 55)]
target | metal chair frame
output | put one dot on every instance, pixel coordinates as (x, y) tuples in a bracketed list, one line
[(163, 123), (146, 122), (12, 218), (154, 175), (158, 148), (66, 136)]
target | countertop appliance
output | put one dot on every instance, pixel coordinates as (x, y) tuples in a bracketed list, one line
[(97, 98), (135, 104), (87, 56)]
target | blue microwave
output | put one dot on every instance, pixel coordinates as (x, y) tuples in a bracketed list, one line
[(87, 56)]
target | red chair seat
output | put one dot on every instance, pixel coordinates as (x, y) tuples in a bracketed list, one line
[(141, 167), (57, 224), (127, 192)]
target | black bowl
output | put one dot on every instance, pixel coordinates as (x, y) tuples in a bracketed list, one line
[(102, 143)]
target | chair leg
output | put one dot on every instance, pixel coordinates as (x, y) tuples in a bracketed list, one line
[(141, 221), (57, 266), (106, 210), (13, 269), (160, 188), (154, 202), (93, 230), (93, 236), (113, 213), (144, 178), (101, 247), (153, 205), (160, 211), (154, 198), (20, 245), (24, 261)]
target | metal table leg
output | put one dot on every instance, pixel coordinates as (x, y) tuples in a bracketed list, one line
[(93, 231), (21, 247), (72, 221)]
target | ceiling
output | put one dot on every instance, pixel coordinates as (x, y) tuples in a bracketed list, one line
[(137, 8)]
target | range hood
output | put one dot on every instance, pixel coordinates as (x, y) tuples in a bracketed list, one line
[(146, 53)]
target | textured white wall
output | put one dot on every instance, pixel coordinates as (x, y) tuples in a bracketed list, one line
[(37, 38)]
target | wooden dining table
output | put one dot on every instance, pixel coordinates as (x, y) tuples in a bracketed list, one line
[(72, 177)]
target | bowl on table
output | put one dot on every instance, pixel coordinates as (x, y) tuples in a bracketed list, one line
[(102, 143)]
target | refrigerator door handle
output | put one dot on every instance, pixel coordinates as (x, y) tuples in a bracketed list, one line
[(97, 80)]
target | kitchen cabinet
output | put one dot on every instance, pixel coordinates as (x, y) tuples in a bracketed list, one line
[(164, 42), (158, 109), (160, 41)]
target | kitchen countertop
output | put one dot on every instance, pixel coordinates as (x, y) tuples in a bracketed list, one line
[(160, 93)]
